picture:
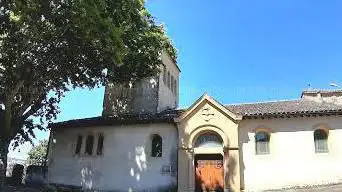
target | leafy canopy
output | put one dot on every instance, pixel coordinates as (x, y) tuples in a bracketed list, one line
[(49, 46), (37, 155)]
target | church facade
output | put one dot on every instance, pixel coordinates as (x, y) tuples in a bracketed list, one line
[(143, 142)]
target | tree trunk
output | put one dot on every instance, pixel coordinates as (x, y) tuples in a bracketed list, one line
[(5, 132), (3, 163)]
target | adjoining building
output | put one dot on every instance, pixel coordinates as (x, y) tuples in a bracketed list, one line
[(143, 142)]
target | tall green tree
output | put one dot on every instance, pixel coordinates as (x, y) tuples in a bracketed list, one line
[(37, 155), (48, 47)]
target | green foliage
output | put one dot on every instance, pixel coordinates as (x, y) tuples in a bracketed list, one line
[(37, 155), (50, 46)]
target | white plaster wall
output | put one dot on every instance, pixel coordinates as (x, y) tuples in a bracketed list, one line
[(126, 164), (292, 160), (168, 99)]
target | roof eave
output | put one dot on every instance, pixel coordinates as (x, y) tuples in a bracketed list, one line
[(293, 114), (108, 121)]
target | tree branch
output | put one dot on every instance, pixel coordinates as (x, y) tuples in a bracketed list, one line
[(34, 107)]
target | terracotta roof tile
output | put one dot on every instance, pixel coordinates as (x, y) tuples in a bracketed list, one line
[(300, 106), (262, 109), (165, 116)]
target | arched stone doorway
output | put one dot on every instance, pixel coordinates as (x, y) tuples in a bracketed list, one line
[(206, 116), (208, 163)]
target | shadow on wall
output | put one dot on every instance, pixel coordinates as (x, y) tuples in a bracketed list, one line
[(139, 165), (243, 138), (136, 172), (99, 173), (148, 173), (88, 177), (231, 170), (117, 99), (140, 97)]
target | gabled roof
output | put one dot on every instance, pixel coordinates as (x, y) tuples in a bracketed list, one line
[(287, 107), (206, 98)]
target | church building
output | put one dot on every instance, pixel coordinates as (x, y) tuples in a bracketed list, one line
[(144, 142)]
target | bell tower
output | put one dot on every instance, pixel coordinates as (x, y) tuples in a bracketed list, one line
[(150, 95)]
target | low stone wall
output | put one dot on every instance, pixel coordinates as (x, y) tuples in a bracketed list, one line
[(10, 164), (30, 174), (35, 175)]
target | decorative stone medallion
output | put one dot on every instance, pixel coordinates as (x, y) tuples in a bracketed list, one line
[(207, 113)]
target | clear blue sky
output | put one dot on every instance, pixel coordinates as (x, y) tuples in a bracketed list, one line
[(241, 51)]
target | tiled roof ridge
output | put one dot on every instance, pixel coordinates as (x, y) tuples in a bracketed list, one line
[(262, 102), (321, 90)]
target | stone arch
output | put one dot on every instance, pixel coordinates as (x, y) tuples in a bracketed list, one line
[(267, 130), (321, 130), (207, 129), (208, 140), (263, 128)]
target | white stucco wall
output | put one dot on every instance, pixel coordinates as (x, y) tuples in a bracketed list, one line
[(126, 164), (292, 160)]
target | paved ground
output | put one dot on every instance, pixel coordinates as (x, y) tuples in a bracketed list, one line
[(20, 189), (328, 188), (23, 188)]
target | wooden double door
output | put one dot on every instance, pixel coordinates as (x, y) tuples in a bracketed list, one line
[(209, 173)]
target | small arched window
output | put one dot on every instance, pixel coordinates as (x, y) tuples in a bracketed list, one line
[(89, 145), (78, 145), (262, 140), (157, 146), (100, 140), (172, 84), (164, 74), (169, 80), (321, 141)]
